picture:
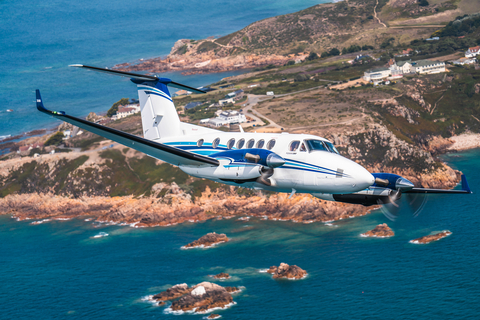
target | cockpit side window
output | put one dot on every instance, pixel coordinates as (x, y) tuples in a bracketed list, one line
[(331, 147), (315, 145), (294, 146), (303, 148)]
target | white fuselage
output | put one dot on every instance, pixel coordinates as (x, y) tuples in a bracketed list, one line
[(304, 171)]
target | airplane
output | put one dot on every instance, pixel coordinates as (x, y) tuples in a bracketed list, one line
[(279, 162)]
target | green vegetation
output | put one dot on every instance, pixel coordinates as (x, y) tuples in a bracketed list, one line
[(55, 140), (207, 46), (114, 108)]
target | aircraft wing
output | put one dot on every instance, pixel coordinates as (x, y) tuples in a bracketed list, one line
[(154, 149), (464, 184)]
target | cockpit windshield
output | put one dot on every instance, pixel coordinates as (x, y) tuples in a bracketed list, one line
[(318, 145), (331, 147)]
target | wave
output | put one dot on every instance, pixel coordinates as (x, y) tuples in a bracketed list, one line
[(5, 136), (169, 310), (40, 221), (101, 235), (202, 246)]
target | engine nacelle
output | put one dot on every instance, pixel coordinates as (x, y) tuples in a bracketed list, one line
[(262, 157), (225, 171)]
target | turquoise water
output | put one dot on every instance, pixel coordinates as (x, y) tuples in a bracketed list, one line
[(56, 270), (39, 39)]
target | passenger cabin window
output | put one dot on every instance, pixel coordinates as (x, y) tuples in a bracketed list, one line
[(315, 145), (250, 143), (230, 143), (294, 146), (331, 147), (260, 144), (215, 143), (271, 144), (240, 143), (200, 143)]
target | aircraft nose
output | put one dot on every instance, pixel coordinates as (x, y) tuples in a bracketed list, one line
[(362, 179)]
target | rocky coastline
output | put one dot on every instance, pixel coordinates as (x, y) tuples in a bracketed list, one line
[(380, 231), (431, 238)]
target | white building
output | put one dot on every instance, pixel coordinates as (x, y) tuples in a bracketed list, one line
[(377, 74), (472, 52), (405, 66), (125, 111), (464, 60), (225, 101), (429, 66), (226, 118)]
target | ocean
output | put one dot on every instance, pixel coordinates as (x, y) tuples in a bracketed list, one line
[(56, 270), (41, 38)]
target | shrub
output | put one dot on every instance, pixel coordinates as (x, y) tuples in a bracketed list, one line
[(55, 140)]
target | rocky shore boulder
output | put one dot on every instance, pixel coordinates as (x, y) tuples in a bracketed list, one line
[(431, 238), (208, 240), (214, 316), (222, 276), (203, 297), (287, 272), (380, 231), (172, 293)]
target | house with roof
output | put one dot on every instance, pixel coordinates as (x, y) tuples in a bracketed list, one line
[(405, 66), (226, 118), (128, 110), (472, 52), (428, 66)]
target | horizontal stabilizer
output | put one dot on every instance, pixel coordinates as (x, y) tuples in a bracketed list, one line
[(154, 149), (464, 184), (141, 77)]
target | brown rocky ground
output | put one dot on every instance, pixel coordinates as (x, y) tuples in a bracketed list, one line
[(202, 298), (287, 272), (380, 231), (431, 238)]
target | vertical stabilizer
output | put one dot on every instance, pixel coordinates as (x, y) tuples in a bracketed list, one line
[(159, 116)]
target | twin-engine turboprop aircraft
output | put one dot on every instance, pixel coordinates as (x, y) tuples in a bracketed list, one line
[(278, 162)]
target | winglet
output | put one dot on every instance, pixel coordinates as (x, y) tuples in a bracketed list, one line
[(464, 183), (40, 106)]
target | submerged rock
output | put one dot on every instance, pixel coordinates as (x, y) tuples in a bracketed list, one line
[(431, 238), (380, 231), (221, 276), (287, 272), (214, 316), (208, 240), (173, 293), (203, 297)]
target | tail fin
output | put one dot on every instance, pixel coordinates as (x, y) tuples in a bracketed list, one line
[(465, 186), (159, 116)]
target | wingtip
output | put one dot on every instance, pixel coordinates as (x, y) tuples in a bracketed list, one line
[(39, 101), (465, 185), (76, 65)]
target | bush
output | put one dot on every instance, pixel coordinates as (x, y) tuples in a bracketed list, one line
[(423, 3), (55, 140), (334, 52), (312, 56), (300, 77), (290, 63)]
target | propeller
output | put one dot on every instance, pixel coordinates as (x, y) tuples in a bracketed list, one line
[(272, 161), (393, 204)]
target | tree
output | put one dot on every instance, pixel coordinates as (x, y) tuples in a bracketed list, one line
[(324, 54), (334, 52), (114, 108), (301, 77), (55, 140), (312, 56), (423, 3), (290, 63)]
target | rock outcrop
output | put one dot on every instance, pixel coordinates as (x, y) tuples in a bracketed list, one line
[(172, 293), (287, 272), (214, 316), (222, 276), (380, 231), (208, 240), (431, 238), (203, 297)]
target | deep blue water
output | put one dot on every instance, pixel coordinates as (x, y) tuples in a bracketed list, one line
[(56, 270), (39, 39)]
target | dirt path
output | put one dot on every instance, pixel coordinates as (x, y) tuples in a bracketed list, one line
[(375, 14)]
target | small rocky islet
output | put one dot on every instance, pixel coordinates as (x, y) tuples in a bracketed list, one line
[(432, 237), (207, 241), (221, 276), (200, 298), (380, 231), (285, 271)]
